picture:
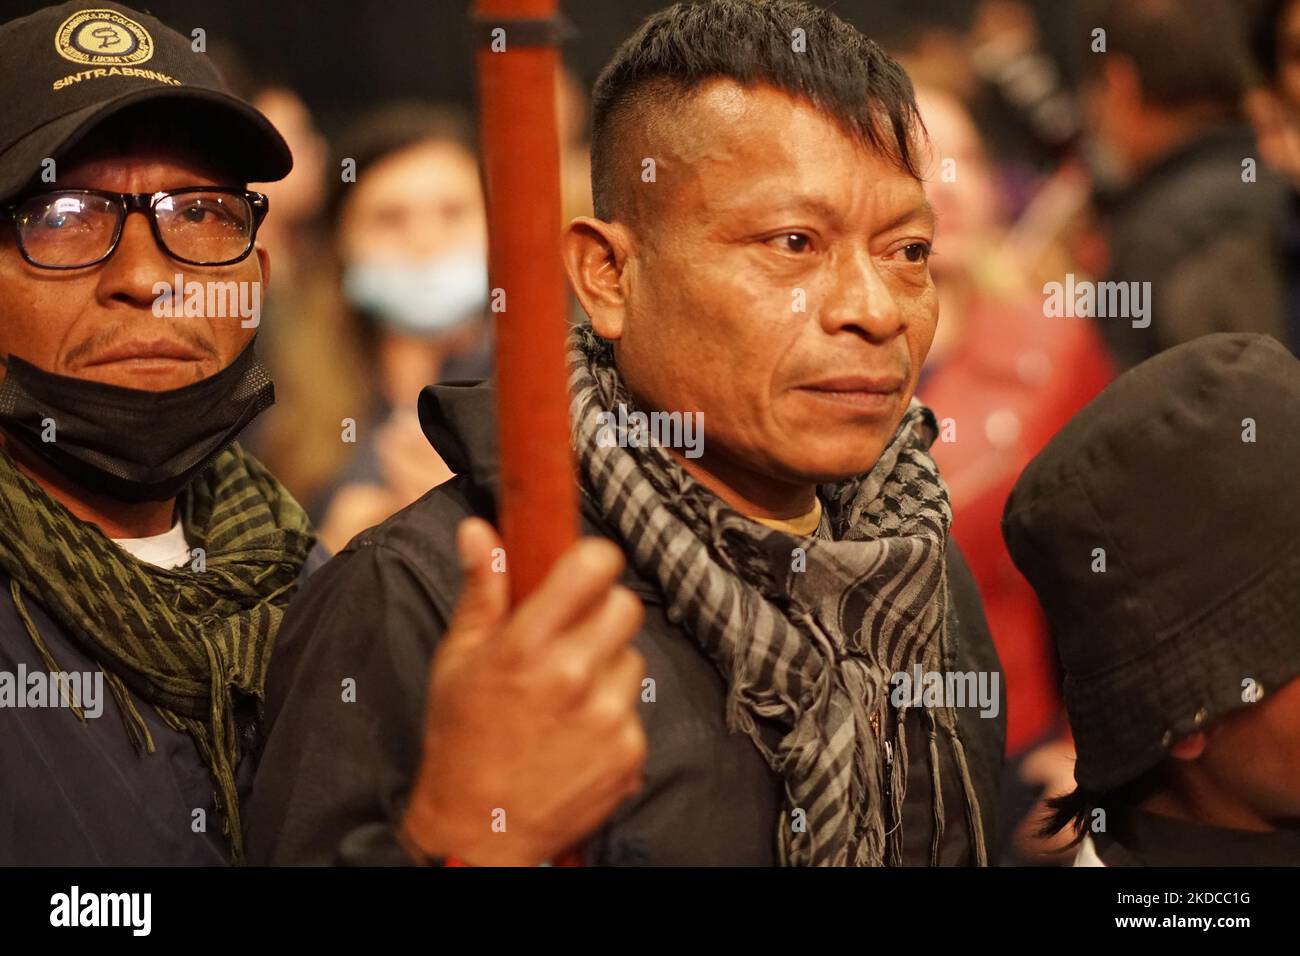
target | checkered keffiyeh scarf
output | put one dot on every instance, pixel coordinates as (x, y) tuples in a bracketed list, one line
[(185, 641), (808, 646)]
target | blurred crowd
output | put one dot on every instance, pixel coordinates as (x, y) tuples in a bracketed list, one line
[(1170, 156)]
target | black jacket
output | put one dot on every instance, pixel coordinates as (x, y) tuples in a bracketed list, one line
[(1138, 838), (334, 775), (74, 794), (1208, 243)]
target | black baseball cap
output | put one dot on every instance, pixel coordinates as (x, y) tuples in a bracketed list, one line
[(68, 68)]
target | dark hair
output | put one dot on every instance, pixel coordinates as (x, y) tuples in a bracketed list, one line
[(1073, 811), (1186, 52), (840, 71), (392, 129)]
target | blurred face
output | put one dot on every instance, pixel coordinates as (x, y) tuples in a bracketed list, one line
[(298, 195), (963, 192), (775, 278), (416, 204), (98, 323), (1114, 120)]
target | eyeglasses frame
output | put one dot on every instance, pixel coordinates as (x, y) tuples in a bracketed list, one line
[(145, 203)]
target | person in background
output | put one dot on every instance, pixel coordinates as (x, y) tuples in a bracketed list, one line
[(1002, 379), (299, 306), (1274, 106), (299, 198), (409, 276), (1159, 530), (990, 57), (1168, 144), (293, 234)]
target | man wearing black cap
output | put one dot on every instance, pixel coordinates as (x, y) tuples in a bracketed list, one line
[(145, 559), (1160, 530)]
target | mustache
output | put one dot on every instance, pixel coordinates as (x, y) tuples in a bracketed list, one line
[(99, 341)]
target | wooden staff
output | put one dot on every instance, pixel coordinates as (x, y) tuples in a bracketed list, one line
[(517, 60)]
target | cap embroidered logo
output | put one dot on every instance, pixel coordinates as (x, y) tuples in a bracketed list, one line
[(102, 36)]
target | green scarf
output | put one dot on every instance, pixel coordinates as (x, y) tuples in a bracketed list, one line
[(186, 640)]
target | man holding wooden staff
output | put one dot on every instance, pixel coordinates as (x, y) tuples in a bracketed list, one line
[(781, 658)]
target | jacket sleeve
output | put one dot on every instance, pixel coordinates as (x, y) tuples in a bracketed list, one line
[(345, 710)]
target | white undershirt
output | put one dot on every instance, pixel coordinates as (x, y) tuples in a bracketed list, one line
[(166, 550)]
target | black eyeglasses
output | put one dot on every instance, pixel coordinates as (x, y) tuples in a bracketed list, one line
[(197, 225)]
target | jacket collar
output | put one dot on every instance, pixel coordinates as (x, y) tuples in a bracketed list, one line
[(459, 420)]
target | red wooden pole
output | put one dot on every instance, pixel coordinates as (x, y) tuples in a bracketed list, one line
[(521, 155)]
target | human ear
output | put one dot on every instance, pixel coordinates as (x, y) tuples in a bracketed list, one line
[(595, 256), (1188, 748)]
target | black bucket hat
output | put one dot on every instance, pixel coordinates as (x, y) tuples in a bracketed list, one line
[(70, 67), (1183, 477)]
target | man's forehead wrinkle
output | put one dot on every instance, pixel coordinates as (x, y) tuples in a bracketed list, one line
[(874, 205), (129, 172), (724, 147), (133, 149)]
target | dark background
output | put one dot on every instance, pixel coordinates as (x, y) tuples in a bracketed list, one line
[(343, 57)]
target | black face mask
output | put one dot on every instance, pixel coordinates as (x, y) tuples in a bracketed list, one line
[(127, 443)]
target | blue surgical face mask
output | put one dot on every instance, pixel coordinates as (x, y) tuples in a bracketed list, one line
[(428, 297)]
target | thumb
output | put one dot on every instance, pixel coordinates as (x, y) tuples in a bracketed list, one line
[(485, 596)]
